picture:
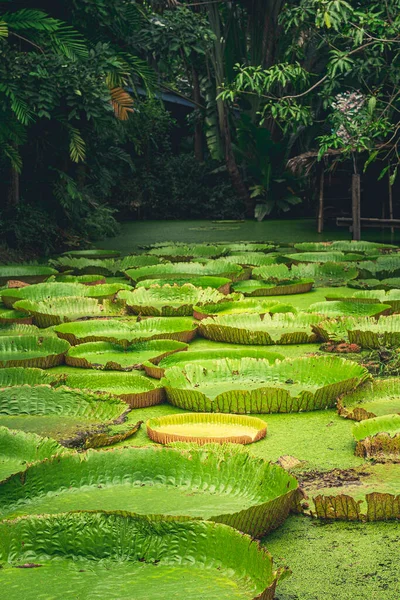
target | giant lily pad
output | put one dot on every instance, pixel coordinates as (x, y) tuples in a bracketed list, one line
[(73, 417), (150, 558), (126, 332), (343, 246), (239, 247), (370, 333), (136, 390), (384, 267), (42, 291), (348, 308), (105, 355), (391, 298), (83, 266), (170, 301), (60, 310), (92, 253), (206, 428), (377, 398), (335, 330), (261, 329), (330, 274), (322, 257), (183, 253), (95, 279), (26, 376), (253, 287), (221, 484), (255, 386), (157, 369), (18, 449), (9, 316), (32, 351), (26, 273), (222, 284), (272, 273), (184, 270), (255, 259), (19, 329), (249, 305), (378, 437)]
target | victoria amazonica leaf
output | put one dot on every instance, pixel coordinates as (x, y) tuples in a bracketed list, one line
[(26, 273), (95, 279), (206, 358), (59, 310), (370, 333), (215, 483), (71, 416), (348, 308), (222, 284), (261, 329), (92, 253), (238, 248), (378, 437), (253, 287), (384, 267), (105, 355), (42, 291), (136, 390), (9, 316), (322, 257), (126, 332), (377, 398), (168, 301), (272, 273), (153, 556), (85, 266), (18, 449), (19, 329), (249, 305), (27, 376), (256, 259), (186, 270), (390, 297), (206, 428), (32, 351), (343, 246), (178, 253), (329, 274), (256, 386)]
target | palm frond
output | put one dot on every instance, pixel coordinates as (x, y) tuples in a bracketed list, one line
[(27, 18), (77, 146), (3, 29), (69, 42), (11, 152), (122, 103)]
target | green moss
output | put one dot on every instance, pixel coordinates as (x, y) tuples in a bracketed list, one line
[(337, 560)]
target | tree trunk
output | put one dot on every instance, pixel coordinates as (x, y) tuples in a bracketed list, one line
[(234, 173), (198, 131), (320, 223), (13, 189), (356, 206), (390, 200)]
